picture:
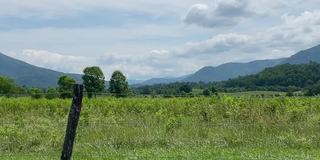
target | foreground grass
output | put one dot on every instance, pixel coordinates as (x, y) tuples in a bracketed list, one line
[(198, 153), (180, 128)]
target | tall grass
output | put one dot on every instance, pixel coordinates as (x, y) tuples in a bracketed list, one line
[(150, 128)]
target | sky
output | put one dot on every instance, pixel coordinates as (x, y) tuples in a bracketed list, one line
[(155, 38)]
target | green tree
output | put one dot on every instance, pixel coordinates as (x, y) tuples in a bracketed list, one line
[(94, 80), (214, 91), (118, 84), (313, 90), (185, 89), (65, 84), (7, 85), (36, 93)]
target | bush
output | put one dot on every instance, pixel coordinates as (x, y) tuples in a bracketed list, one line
[(206, 92), (313, 90), (36, 93), (290, 94), (52, 93), (185, 89)]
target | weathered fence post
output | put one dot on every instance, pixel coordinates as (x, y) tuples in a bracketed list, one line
[(73, 120)]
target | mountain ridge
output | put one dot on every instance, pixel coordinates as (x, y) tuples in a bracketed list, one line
[(29, 75), (32, 76), (234, 69)]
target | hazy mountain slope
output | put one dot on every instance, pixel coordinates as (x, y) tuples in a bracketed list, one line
[(158, 80), (305, 56), (232, 70), (29, 75), (32, 76), (161, 80)]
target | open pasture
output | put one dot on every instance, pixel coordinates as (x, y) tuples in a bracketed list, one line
[(220, 127)]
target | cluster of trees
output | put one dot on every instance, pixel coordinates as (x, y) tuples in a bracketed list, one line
[(8, 86), (94, 83), (177, 89), (210, 91), (10, 89), (287, 77), (93, 80)]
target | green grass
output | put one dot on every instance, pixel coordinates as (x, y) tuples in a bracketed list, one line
[(256, 93), (224, 127)]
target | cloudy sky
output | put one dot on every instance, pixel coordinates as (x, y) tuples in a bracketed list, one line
[(155, 38)]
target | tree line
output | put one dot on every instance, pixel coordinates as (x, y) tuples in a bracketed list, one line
[(93, 81), (290, 78)]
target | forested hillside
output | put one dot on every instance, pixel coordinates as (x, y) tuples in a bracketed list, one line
[(285, 77)]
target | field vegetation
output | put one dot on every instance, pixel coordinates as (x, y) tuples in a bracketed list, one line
[(216, 127)]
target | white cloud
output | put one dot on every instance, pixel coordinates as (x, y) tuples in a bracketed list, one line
[(53, 61), (305, 19), (217, 44), (143, 50), (153, 63), (62, 8), (224, 13), (282, 40), (293, 34)]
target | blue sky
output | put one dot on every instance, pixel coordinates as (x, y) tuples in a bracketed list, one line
[(150, 38)]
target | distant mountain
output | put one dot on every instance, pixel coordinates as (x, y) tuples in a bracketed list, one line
[(230, 70), (158, 80), (134, 81), (161, 80), (33, 76), (233, 70), (305, 56), (30, 75)]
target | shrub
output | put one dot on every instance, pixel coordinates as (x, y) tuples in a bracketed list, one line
[(36, 93), (206, 92), (52, 93)]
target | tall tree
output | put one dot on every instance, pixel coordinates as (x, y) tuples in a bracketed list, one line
[(9, 88), (118, 84), (65, 84), (93, 80)]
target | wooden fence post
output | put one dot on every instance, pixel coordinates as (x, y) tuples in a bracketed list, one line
[(73, 120)]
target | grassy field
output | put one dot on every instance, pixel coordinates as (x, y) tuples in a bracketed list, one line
[(224, 127), (256, 93)]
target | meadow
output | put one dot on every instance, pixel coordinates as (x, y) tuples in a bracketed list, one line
[(218, 127)]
